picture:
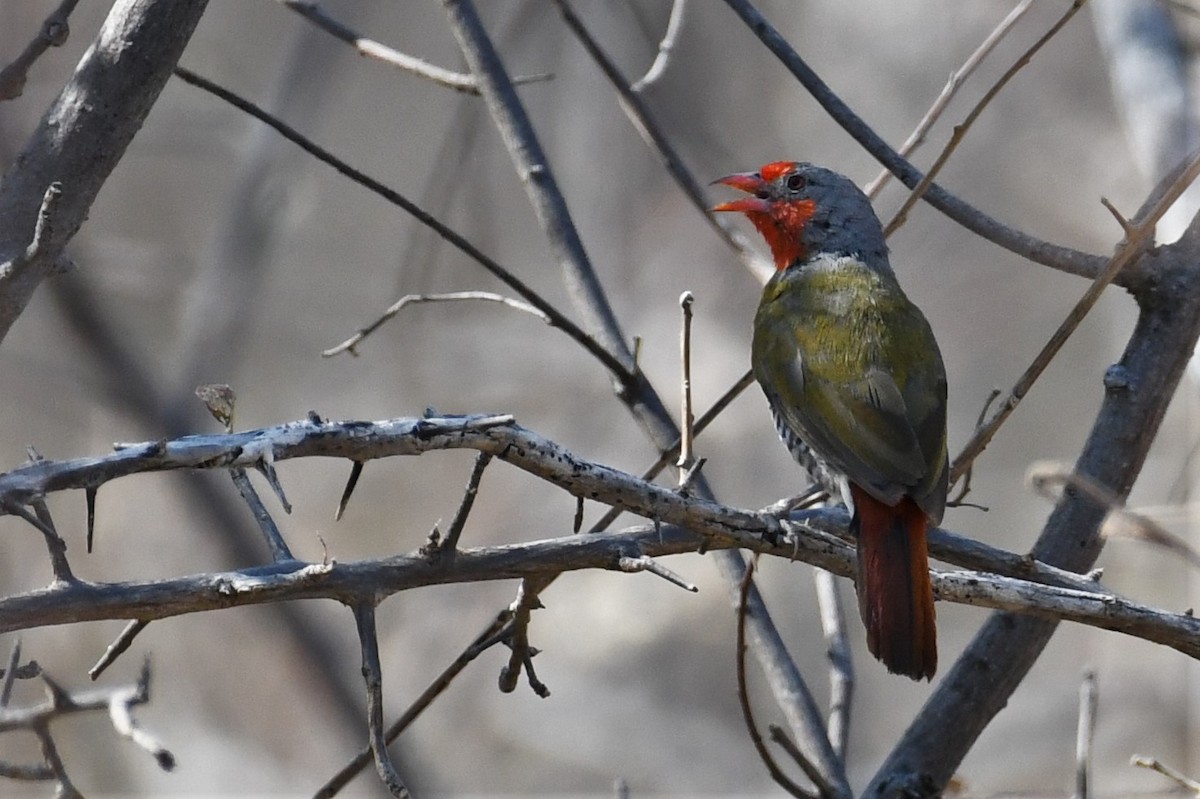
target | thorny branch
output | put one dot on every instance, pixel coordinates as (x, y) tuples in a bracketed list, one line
[(815, 536)]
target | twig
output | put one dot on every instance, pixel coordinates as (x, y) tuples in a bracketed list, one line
[(964, 487), (1043, 252), (558, 320), (468, 500), (659, 67), (370, 48), (1131, 246), (1153, 763), (760, 746), (841, 665), (532, 166), (435, 689), (961, 129), (644, 563), (53, 33), (814, 752), (1084, 733), (135, 47), (118, 647), (686, 301), (10, 674), (671, 452), (266, 524), (651, 133), (364, 619), (957, 78), (351, 344), (117, 702), (56, 547), (43, 231), (526, 602)]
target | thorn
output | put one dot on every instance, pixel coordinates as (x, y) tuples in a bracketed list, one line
[(578, 524), (356, 470), (89, 494), (267, 468)]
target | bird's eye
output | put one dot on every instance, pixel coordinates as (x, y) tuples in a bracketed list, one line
[(795, 182)]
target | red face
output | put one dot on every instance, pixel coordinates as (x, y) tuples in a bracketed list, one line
[(775, 210)]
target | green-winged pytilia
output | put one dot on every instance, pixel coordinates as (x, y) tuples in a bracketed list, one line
[(856, 384)]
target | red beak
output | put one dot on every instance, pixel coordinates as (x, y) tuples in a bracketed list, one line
[(749, 182)]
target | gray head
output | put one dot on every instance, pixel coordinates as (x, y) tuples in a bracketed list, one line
[(802, 210)]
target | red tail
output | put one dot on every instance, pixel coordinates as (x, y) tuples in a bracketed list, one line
[(894, 593)]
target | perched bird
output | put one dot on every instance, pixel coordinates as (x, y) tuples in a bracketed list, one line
[(857, 387)]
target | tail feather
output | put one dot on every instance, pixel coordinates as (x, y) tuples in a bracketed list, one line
[(895, 596)]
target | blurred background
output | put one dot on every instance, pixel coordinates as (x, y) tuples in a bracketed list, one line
[(219, 253)]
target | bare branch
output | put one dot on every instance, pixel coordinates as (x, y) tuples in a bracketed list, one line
[(659, 67), (686, 300), (314, 13), (118, 647), (434, 690), (841, 665), (644, 563), (1085, 732), (957, 78), (961, 129), (533, 168), (1152, 763), (649, 130), (364, 618), (527, 601), (83, 135), (559, 320), (468, 501), (351, 344), (266, 524), (760, 746), (53, 33)]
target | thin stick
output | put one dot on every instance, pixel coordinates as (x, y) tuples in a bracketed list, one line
[(370, 48), (957, 78), (841, 665), (53, 33), (10, 673), (659, 67), (1154, 764), (760, 746), (533, 167), (961, 129), (464, 507), (686, 301), (364, 618), (652, 134), (266, 524), (122, 643), (432, 692), (668, 454), (351, 344), (1084, 734)]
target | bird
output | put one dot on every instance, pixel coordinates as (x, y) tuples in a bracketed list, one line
[(857, 388)]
